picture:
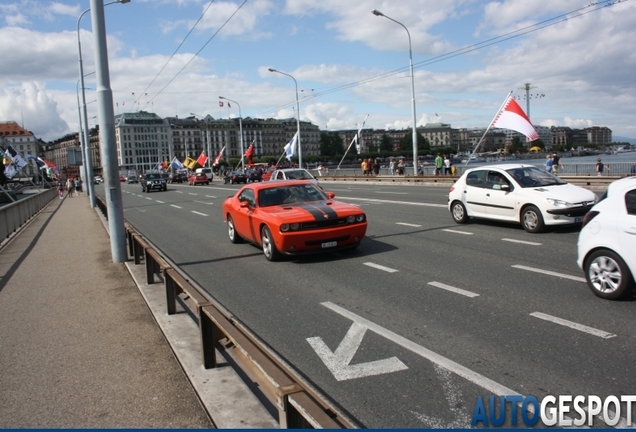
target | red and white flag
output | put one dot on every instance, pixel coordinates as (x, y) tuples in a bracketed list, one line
[(249, 153), (218, 157), (511, 116), (202, 159)]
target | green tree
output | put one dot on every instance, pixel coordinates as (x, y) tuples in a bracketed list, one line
[(386, 145), (331, 144)]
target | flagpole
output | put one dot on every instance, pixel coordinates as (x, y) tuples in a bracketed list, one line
[(487, 129), (281, 156), (354, 138)]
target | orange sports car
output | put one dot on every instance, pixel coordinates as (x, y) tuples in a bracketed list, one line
[(292, 217)]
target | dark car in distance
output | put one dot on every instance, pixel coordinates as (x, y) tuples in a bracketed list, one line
[(178, 178), (153, 181), (233, 177), (254, 175)]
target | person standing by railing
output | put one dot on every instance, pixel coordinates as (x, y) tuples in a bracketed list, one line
[(600, 166), (556, 162)]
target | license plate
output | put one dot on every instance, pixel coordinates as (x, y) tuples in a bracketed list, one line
[(330, 244), (578, 219)]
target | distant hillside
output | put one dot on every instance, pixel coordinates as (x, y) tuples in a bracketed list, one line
[(623, 139)]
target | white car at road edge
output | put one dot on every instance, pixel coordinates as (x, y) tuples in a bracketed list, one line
[(518, 193), (607, 242)]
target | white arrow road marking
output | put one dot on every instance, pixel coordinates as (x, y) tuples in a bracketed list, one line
[(338, 361), (472, 376)]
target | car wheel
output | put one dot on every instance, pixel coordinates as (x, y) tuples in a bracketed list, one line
[(165, 188), (607, 275), (231, 231), (458, 210), (532, 220), (269, 248)]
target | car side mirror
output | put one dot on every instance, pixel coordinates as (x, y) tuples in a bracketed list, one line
[(506, 187), (244, 204), (331, 195)]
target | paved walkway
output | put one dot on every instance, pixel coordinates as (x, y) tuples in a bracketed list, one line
[(79, 346)]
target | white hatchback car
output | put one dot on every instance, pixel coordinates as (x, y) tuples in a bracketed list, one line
[(518, 193), (607, 242)]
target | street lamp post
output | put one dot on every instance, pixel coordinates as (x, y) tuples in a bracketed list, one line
[(415, 161), (300, 153), (240, 130), (108, 144), (88, 153)]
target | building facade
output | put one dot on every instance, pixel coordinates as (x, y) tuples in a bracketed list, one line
[(143, 141), (23, 141)]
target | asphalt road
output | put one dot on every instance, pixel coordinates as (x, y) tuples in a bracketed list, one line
[(426, 315)]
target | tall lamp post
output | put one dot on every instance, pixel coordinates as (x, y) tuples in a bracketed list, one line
[(240, 130), (300, 153), (108, 143), (415, 161), (88, 153)]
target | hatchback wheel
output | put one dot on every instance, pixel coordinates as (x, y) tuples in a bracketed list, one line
[(607, 275), (269, 248), (231, 231), (458, 210), (532, 220)]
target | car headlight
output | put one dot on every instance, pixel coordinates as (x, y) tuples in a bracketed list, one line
[(351, 219), (284, 227), (559, 203)]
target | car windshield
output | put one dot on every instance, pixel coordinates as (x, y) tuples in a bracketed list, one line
[(299, 175), (530, 177), (290, 194), (153, 176)]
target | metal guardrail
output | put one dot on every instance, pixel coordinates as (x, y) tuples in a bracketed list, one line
[(16, 214), (298, 406)]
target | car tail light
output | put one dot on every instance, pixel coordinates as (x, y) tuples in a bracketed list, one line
[(588, 217)]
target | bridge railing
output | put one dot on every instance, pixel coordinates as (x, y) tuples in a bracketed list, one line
[(16, 214), (298, 405)]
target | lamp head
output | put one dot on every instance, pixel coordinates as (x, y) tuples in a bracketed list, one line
[(272, 70), (124, 1), (377, 12), (221, 97)]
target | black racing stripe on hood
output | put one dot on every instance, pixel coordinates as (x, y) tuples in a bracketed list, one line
[(319, 210)]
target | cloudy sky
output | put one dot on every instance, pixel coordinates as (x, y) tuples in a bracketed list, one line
[(176, 57)]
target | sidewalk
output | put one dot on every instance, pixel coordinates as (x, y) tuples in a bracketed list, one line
[(79, 346)]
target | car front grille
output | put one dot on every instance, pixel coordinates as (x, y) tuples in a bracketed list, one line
[(323, 224)]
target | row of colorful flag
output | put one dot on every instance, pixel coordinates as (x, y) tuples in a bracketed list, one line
[(13, 163)]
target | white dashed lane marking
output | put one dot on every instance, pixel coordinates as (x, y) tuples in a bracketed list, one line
[(550, 273), (521, 241), (454, 289), (196, 212), (380, 267), (458, 232), (408, 224), (175, 206), (575, 326)]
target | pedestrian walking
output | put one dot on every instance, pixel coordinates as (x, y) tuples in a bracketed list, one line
[(600, 166), (376, 167), (70, 187), (556, 162), (439, 164), (548, 163), (392, 166), (60, 188), (447, 165)]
